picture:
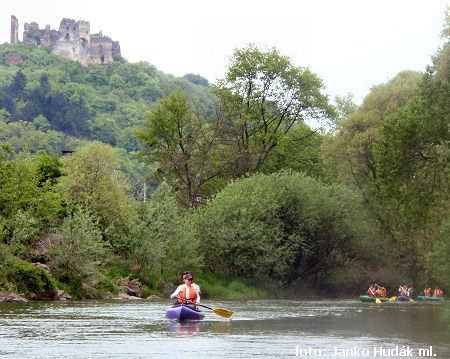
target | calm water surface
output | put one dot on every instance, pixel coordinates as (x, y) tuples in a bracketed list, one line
[(258, 329)]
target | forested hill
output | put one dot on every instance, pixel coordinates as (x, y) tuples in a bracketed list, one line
[(56, 102)]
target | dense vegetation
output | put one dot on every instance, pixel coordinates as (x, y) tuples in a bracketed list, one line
[(246, 190)]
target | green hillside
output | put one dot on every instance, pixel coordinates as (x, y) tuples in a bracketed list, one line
[(47, 93)]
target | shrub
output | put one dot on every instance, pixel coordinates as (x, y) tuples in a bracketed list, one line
[(28, 277), (283, 226), (77, 252)]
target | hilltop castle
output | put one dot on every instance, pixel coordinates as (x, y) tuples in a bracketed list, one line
[(72, 41)]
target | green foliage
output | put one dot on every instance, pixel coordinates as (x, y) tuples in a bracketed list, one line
[(31, 278), (283, 226), (77, 252), (438, 263), (225, 287), (161, 244), (412, 162), (27, 199), (93, 179), (262, 98), (24, 233), (63, 95), (184, 146), (299, 150), (27, 137), (348, 155)]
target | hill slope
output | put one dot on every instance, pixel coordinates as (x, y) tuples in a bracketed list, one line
[(105, 103)]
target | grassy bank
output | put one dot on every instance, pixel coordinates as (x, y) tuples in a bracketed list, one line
[(223, 287)]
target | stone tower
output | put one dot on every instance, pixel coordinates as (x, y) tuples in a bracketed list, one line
[(14, 30)]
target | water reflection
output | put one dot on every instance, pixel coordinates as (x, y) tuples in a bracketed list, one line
[(183, 328)]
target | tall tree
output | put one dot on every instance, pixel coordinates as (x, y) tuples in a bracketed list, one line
[(262, 97), (185, 148)]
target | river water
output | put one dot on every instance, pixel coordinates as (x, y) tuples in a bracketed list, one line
[(258, 329)]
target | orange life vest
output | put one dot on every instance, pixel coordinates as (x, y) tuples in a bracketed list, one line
[(183, 293), (427, 292), (437, 292), (371, 291)]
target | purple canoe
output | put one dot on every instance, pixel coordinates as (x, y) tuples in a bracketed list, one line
[(183, 312)]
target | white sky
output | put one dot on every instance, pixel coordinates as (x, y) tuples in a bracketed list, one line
[(351, 44)]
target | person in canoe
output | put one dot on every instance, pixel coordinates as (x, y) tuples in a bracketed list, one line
[(188, 293), (381, 292), (372, 290), (437, 292), (427, 292), (403, 291)]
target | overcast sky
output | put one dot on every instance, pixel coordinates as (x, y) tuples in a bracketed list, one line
[(351, 44)]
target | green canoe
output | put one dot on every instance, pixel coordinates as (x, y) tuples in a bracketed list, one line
[(432, 299), (368, 298)]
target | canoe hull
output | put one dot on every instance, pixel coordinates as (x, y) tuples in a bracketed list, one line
[(367, 298), (402, 298), (430, 299), (183, 312)]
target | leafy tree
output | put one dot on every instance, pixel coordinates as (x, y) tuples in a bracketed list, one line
[(22, 188), (412, 159), (77, 252), (196, 79), (162, 247), (17, 87), (299, 150), (93, 180), (185, 147), (348, 154), (262, 98)]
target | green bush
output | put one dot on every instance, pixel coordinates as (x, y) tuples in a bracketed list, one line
[(284, 227), (77, 253), (28, 277)]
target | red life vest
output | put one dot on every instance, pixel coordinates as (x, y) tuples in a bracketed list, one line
[(437, 292), (427, 292), (371, 291), (192, 294)]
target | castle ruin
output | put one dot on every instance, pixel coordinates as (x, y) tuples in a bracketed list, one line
[(72, 41)]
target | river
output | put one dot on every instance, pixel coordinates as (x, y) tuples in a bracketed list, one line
[(258, 329)]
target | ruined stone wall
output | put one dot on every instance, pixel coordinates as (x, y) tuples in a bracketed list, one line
[(100, 50), (72, 41), (14, 30)]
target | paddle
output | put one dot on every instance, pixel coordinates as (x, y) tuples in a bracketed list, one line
[(393, 299), (377, 300), (219, 311)]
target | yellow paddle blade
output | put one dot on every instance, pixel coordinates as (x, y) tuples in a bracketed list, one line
[(377, 300), (223, 312), (392, 299)]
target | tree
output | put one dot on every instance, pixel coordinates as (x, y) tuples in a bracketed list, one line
[(17, 86), (77, 251), (162, 246), (94, 180), (262, 98), (298, 150), (185, 148), (412, 160), (348, 154)]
